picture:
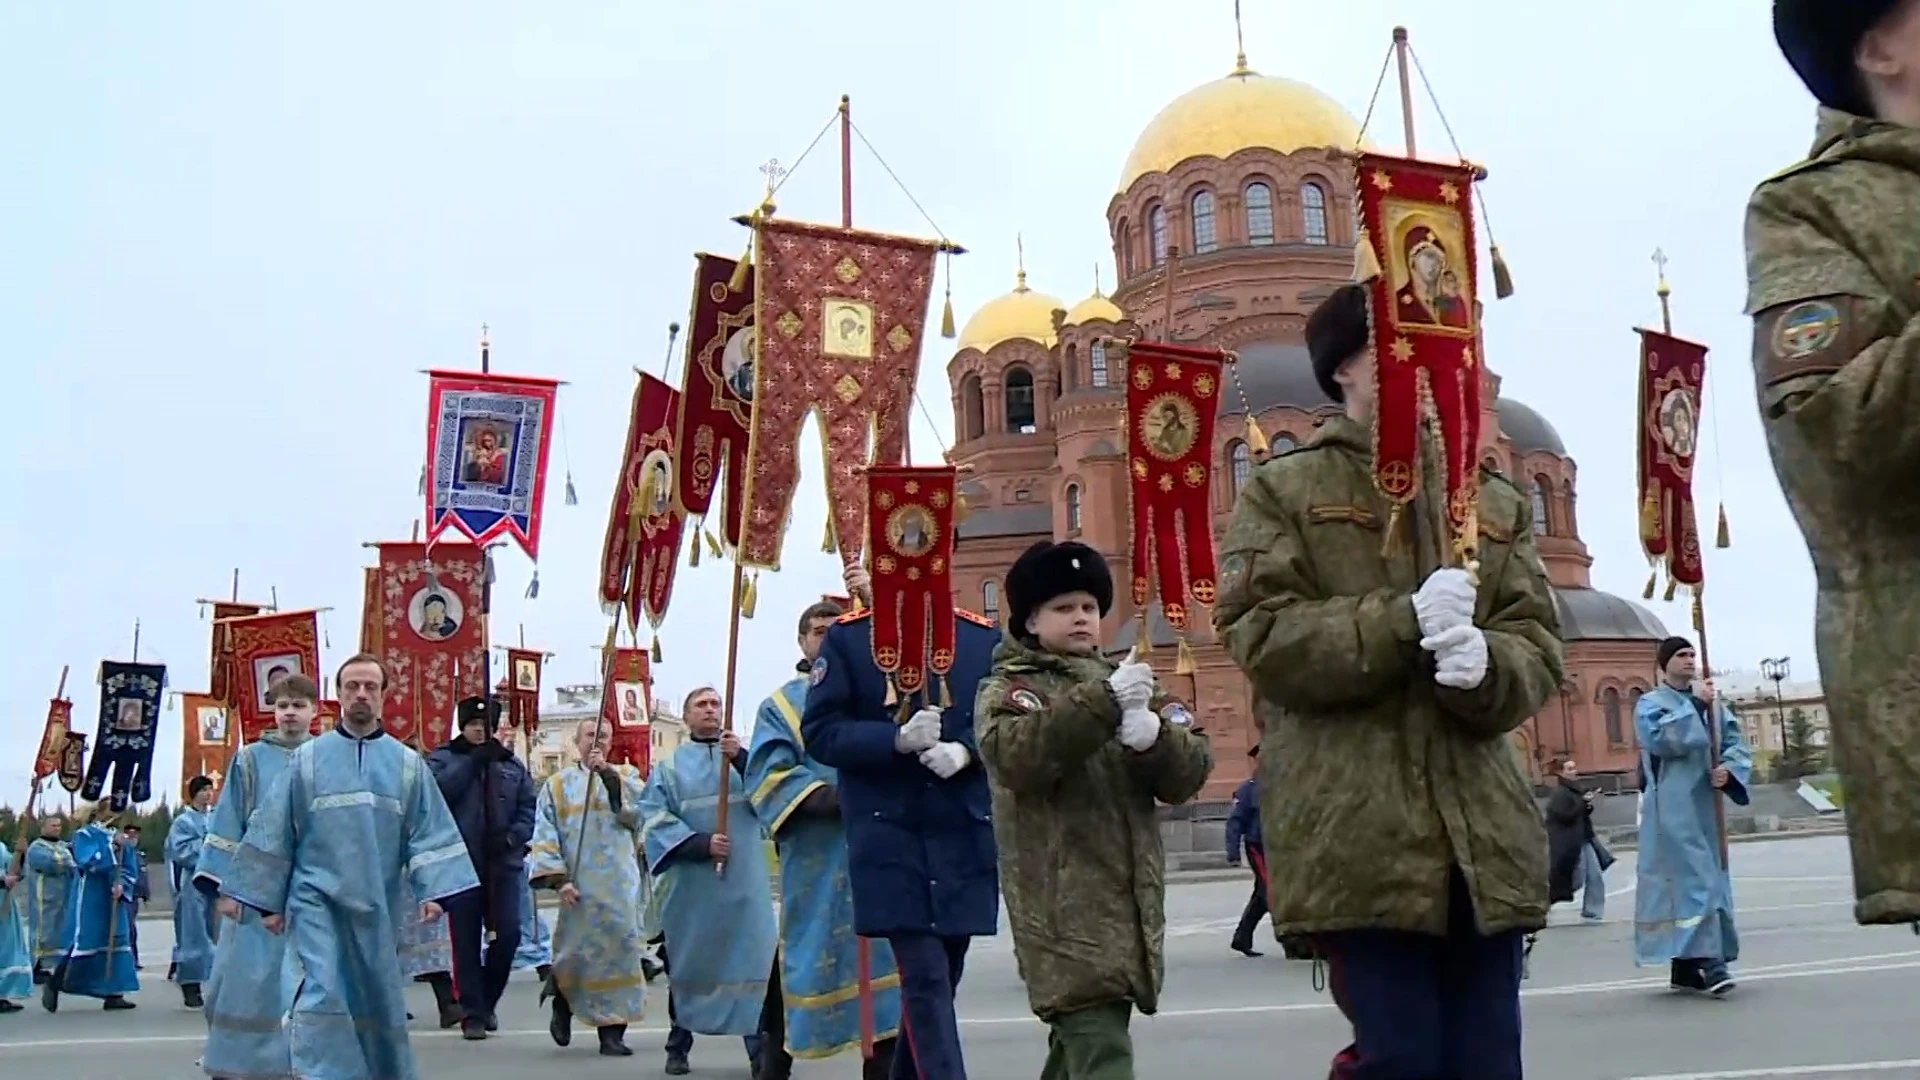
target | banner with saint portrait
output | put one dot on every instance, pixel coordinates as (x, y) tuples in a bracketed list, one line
[(715, 406), (1173, 394), (626, 707), (121, 769), (644, 525), (262, 650), (840, 317), (205, 740), (430, 636), (220, 666), (487, 443), (53, 738), (523, 689), (1417, 256), (910, 551), (1672, 373), (325, 715)]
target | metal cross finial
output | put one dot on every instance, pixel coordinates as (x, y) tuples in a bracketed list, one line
[(774, 174), (1020, 261), (1660, 264), (1239, 43)]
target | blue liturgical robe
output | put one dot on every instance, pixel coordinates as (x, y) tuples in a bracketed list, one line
[(535, 949), (720, 928), (1683, 902), (48, 884), (578, 837), (193, 931), (100, 953), (254, 973), (819, 952), (16, 955), (352, 831)]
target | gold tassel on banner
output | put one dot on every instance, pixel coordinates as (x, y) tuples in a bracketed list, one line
[(826, 542), (1502, 277), (1394, 541), (1183, 663), (946, 314), (1366, 265), (1653, 580), (893, 696), (946, 694), (1649, 518), (1671, 586), (1257, 443), (573, 497), (1721, 539), (741, 271), (749, 596), (693, 549), (654, 649), (713, 545)]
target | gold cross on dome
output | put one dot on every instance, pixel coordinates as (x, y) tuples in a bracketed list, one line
[(774, 174)]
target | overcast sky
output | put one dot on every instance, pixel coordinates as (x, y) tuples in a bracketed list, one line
[(231, 234)]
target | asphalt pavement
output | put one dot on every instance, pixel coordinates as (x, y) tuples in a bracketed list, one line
[(1818, 997)]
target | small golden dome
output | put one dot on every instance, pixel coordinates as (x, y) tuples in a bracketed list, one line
[(1021, 313), (1096, 306), (1244, 109)]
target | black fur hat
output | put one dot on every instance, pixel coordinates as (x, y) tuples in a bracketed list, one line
[(478, 710), (1818, 38), (1336, 332), (1047, 570)]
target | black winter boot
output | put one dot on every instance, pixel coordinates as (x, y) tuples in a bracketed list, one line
[(613, 1041)]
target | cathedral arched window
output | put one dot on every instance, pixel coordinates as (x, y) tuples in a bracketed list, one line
[(1259, 213), (990, 600), (1241, 463), (1313, 212), (1019, 394), (1097, 353), (1125, 233), (1073, 508), (1204, 235), (1610, 713), (1282, 443), (1157, 234), (1633, 709), (973, 419), (1541, 521), (1070, 369)]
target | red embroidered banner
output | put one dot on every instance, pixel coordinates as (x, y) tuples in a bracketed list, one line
[(264, 650), (910, 538), (626, 707), (370, 605), (53, 738), (523, 689), (716, 398), (642, 547), (1672, 373), (431, 636), (1418, 256), (487, 443), (206, 740), (325, 716), (220, 667), (840, 317), (1173, 394)]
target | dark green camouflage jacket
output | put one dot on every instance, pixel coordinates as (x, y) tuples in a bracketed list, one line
[(1833, 274), (1375, 781), (1081, 866)]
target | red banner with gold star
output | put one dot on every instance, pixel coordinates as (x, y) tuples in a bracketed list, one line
[(716, 399), (1418, 258), (644, 525), (430, 636), (1173, 393), (910, 543), (523, 689), (207, 740), (1672, 373), (841, 314), (626, 707), (263, 649)]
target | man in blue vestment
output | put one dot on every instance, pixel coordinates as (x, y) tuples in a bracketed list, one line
[(141, 893), (98, 961), (193, 931), (920, 849), (49, 870), (353, 829), (16, 955), (1691, 752), (716, 896), (254, 974), (820, 960)]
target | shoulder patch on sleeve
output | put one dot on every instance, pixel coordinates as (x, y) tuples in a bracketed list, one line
[(855, 616), (1177, 714), (973, 617), (1815, 336), (818, 672), (1025, 698)]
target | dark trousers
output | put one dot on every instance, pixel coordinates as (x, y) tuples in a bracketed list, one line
[(930, 970), (1090, 1044), (680, 1040), (133, 932), (1256, 908), (777, 1064), (1425, 1007), (480, 967)]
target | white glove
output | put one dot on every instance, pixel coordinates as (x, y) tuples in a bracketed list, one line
[(945, 759), (1139, 730), (1461, 655), (1444, 600), (919, 733), (1132, 684)]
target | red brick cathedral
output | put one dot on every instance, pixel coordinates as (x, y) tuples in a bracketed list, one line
[(1237, 175)]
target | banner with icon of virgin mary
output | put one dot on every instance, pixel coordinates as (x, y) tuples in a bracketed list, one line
[(487, 442), (429, 636), (715, 406), (1672, 372)]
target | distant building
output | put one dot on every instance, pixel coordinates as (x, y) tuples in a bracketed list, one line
[(574, 705), (1766, 711)]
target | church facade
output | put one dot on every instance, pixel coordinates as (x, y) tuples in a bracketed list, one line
[(1237, 180)]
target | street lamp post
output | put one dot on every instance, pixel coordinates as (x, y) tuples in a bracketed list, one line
[(1776, 670)]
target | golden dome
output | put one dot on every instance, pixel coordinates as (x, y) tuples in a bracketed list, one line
[(1096, 306), (1021, 313), (1242, 110)]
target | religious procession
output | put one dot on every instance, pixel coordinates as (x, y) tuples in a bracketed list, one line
[(1354, 635)]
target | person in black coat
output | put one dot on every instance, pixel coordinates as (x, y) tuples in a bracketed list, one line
[(1576, 858), (492, 798)]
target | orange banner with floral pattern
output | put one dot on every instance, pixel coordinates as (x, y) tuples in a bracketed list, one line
[(910, 546), (263, 649), (1173, 393)]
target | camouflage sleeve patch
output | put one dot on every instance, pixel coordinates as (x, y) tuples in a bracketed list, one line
[(1236, 569), (1024, 698), (1816, 336)]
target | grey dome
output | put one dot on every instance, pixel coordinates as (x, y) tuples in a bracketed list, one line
[(1592, 615), (1529, 431)]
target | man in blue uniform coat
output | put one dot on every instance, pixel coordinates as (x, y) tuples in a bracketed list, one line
[(920, 849)]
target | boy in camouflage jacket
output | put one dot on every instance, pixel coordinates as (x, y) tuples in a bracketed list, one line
[(1078, 750), (1833, 273)]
